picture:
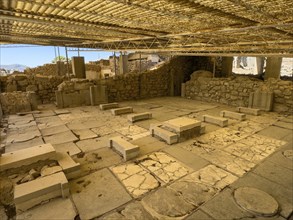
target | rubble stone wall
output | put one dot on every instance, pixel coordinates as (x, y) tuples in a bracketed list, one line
[(235, 91), (43, 86), (14, 102)]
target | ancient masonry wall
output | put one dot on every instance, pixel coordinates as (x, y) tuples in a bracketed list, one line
[(236, 91), (43, 86), (137, 86)]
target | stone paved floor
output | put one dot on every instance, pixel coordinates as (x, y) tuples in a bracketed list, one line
[(195, 179)]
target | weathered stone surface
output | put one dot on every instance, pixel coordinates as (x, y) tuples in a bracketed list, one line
[(288, 154), (60, 138), (84, 134), (256, 201), (68, 147), (136, 211), (136, 179), (163, 201), (91, 188), (46, 171), (163, 166), (7, 191), (55, 209), (254, 148), (54, 130), (89, 145)]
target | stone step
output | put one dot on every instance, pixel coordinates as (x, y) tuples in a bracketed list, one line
[(222, 122), (27, 156), (32, 193), (250, 111), (233, 115), (121, 111), (167, 136), (125, 148), (139, 116), (69, 166), (109, 106)]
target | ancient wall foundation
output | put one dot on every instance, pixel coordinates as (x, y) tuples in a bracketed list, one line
[(236, 91)]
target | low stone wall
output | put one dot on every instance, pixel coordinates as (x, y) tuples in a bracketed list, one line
[(75, 92), (235, 91), (43, 86), (14, 102)]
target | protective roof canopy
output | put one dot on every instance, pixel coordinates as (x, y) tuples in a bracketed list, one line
[(251, 27)]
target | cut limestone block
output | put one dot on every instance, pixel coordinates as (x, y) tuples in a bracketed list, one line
[(222, 122), (120, 111), (184, 127), (167, 136), (261, 100), (250, 111), (233, 115), (27, 156), (69, 166), (109, 106), (182, 124), (125, 148), (139, 116), (32, 193)]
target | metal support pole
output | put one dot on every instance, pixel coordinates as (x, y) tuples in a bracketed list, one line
[(56, 59), (58, 66), (78, 52), (139, 62), (115, 64), (66, 52), (214, 67)]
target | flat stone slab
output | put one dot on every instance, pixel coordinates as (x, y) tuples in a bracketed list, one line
[(135, 178), (69, 148), (182, 124), (222, 122), (125, 148), (109, 106), (60, 138), (134, 210), (85, 134), (89, 145), (163, 203), (29, 194), (283, 124), (63, 209), (233, 115), (139, 116), (53, 130), (250, 111), (121, 111), (23, 145), (27, 156), (256, 201), (97, 193)]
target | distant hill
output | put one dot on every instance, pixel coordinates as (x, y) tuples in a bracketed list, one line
[(17, 67)]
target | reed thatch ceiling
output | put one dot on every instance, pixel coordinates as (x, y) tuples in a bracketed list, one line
[(256, 27)]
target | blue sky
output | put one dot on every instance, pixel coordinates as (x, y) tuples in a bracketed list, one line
[(38, 55)]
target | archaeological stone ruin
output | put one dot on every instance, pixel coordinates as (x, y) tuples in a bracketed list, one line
[(188, 116)]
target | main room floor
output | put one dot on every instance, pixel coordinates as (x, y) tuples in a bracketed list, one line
[(208, 177)]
